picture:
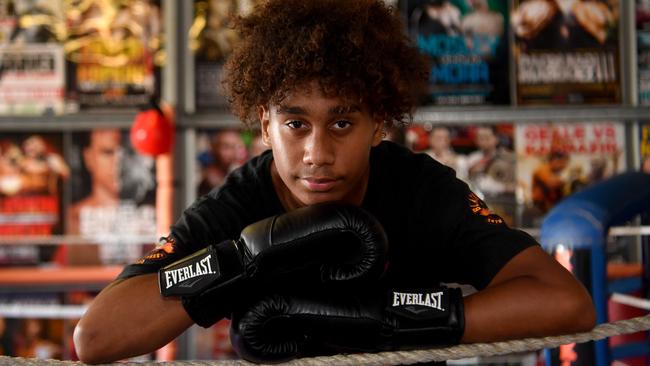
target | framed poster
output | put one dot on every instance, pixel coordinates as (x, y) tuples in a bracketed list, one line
[(567, 51), (467, 44), (555, 160), (32, 61), (114, 52), (32, 174), (212, 39), (481, 155), (113, 198)]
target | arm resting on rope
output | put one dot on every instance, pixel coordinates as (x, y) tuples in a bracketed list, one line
[(531, 296), (128, 318)]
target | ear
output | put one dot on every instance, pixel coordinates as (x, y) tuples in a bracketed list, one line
[(379, 133), (263, 113)]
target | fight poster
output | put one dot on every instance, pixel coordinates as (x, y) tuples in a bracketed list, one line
[(567, 51), (219, 151), (467, 44), (481, 155), (23, 333), (114, 52), (643, 50), (113, 191), (212, 39), (32, 174), (555, 160), (32, 80)]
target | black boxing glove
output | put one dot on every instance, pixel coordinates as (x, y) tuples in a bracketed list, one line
[(320, 243), (282, 327)]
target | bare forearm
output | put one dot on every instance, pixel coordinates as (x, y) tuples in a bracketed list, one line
[(127, 319), (546, 301), (495, 314)]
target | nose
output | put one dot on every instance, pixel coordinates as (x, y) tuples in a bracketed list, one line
[(319, 149)]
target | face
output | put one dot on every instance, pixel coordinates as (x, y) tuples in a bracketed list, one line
[(440, 139), (226, 147), (559, 164), (102, 159), (321, 147), (485, 139)]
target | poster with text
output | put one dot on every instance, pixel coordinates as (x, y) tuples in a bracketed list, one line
[(567, 51), (482, 156), (114, 51), (32, 61), (32, 173), (467, 44), (643, 50), (212, 39), (113, 198), (555, 160)]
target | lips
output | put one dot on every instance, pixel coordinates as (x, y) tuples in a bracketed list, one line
[(319, 184)]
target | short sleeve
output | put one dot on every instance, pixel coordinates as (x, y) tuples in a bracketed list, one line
[(164, 253), (479, 242)]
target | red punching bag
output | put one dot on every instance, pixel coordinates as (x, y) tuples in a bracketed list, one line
[(152, 133)]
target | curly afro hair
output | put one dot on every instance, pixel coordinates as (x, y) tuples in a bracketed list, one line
[(357, 50)]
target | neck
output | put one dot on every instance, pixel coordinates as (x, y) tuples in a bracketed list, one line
[(104, 196)]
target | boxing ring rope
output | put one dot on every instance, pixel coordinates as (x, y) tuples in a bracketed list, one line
[(601, 331)]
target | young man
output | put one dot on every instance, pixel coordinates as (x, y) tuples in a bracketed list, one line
[(324, 78)]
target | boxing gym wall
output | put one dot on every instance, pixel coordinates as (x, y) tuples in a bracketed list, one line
[(136, 113)]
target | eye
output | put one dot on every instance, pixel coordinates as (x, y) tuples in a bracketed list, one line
[(341, 124), (295, 124)]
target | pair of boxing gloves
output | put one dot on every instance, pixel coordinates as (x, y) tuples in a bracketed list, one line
[(316, 269)]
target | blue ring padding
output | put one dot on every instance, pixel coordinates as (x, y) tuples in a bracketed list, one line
[(583, 219)]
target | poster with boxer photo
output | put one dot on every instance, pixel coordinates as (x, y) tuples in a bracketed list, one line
[(32, 173), (567, 51), (219, 151), (482, 156), (113, 191), (32, 58), (467, 43), (114, 51), (212, 39), (23, 333), (555, 160), (643, 50)]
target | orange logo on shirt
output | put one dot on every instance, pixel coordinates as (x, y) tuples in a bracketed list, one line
[(165, 247), (480, 208)]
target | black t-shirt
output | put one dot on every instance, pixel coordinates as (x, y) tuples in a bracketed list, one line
[(438, 230)]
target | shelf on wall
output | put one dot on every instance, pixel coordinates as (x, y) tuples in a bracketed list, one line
[(57, 276), (122, 118), (449, 115), (440, 115), (468, 115)]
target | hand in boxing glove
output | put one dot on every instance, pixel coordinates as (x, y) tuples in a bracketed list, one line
[(320, 243), (282, 327)]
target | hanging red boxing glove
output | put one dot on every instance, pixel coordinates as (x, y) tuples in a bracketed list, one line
[(152, 132)]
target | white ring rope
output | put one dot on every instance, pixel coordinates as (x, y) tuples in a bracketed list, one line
[(601, 331)]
